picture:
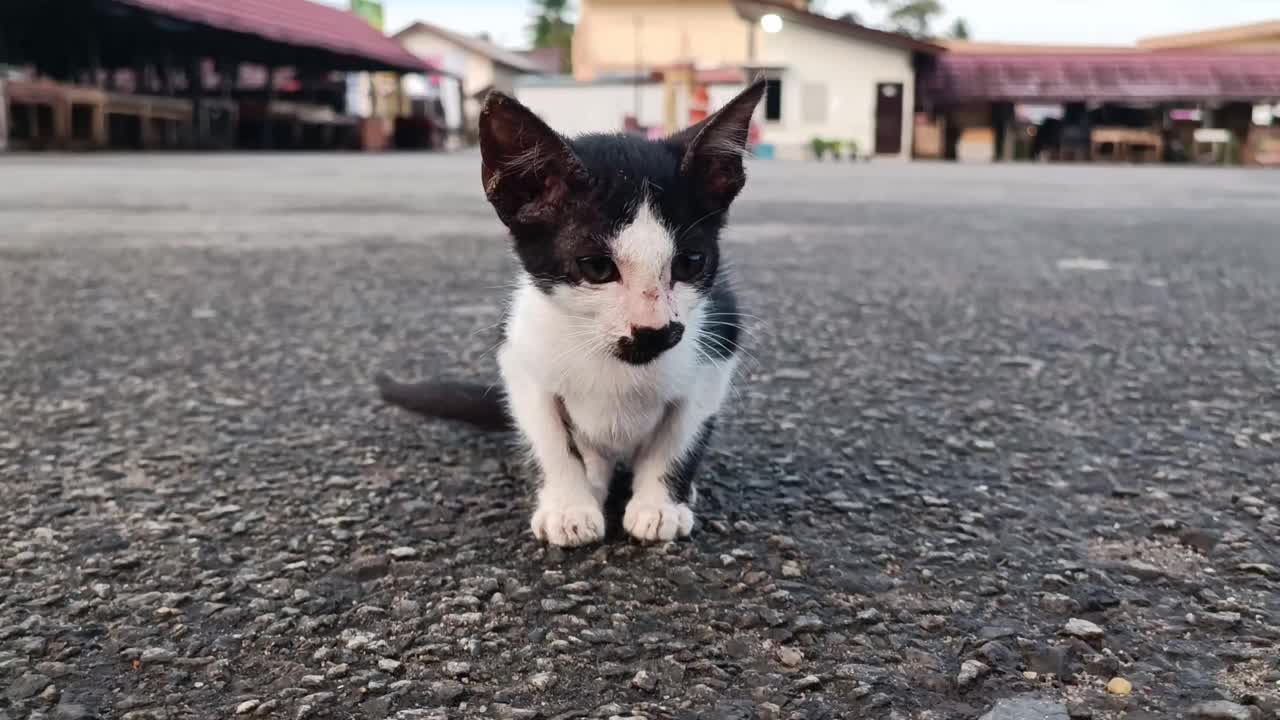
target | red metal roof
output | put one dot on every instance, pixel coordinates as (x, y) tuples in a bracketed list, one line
[(292, 22), (1106, 77)]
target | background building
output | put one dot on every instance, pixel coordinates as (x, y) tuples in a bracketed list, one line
[(627, 36), (660, 65), (480, 65), (142, 74), (1261, 37), (835, 81), (1202, 97)]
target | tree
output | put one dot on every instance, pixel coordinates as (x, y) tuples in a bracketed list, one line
[(850, 17), (551, 28), (912, 17), (959, 29)]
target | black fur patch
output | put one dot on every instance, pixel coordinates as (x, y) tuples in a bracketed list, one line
[(475, 404), (623, 171), (679, 479), (568, 429), (566, 199)]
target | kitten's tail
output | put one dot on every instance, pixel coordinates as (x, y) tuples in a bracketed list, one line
[(471, 403)]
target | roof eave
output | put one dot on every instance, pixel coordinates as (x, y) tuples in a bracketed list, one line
[(471, 45), (753, 10)]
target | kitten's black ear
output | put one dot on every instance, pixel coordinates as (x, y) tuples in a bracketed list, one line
[(715, 147), (528, 169)]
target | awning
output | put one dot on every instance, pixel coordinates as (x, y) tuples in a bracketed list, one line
[(1105, 77), (292, 22)]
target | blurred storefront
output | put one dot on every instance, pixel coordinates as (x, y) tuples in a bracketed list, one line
[(155, 74), (1200, 97)]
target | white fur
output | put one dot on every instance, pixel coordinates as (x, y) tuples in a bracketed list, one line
[(649, 416)]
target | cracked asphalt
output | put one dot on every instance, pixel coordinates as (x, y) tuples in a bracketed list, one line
[(1007, 445)]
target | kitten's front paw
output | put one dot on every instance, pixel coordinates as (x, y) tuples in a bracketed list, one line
[(654, 522), (566, 526)]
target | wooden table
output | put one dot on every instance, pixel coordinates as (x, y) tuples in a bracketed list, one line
[(25, 99), (80, 116), (1263, 147), (163, 121), (1127, 144)]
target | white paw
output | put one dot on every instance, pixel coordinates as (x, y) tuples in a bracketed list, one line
[(652, 522), (568, 525)]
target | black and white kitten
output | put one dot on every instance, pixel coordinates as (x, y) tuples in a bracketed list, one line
[(622, 338)]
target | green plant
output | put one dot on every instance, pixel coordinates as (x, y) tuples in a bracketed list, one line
[(912, 17), (551, 27), (836, 147), (819, 147), (852, 146)]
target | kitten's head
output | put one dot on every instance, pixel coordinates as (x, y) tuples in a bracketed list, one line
[(621, 233)]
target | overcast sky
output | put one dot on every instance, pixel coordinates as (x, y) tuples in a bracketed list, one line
[(1048, 21)]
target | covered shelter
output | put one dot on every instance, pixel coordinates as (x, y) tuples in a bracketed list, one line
[(1123, 104), (146, 73)]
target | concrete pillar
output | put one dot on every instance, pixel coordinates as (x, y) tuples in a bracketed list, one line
[(270, 98), (4, 113)]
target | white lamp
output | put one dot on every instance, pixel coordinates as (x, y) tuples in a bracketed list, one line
[(771, 23)]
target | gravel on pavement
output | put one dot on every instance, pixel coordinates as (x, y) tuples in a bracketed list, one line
[(1005, 435)]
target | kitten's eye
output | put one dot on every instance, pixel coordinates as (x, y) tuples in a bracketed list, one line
[(687, 266), (597, 269)]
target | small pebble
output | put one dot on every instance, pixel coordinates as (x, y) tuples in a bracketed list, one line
[(1083, 629), (808, 623), (645, 680), (790, 656), (1119, 686), (1221, 710), (542, 681), (157, 656), (870, 615), (970, 671), (808, 681)]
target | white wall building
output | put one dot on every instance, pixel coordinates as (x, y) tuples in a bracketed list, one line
[(481, 65), (574, 108), (834, 80), (828, 79)]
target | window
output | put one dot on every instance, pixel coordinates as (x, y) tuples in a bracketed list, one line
[(813, 106), (773, 100)]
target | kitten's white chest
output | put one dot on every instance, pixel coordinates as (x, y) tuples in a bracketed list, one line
[(614, 423)]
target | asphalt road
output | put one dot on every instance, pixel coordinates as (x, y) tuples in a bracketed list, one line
[(1006, 433)]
